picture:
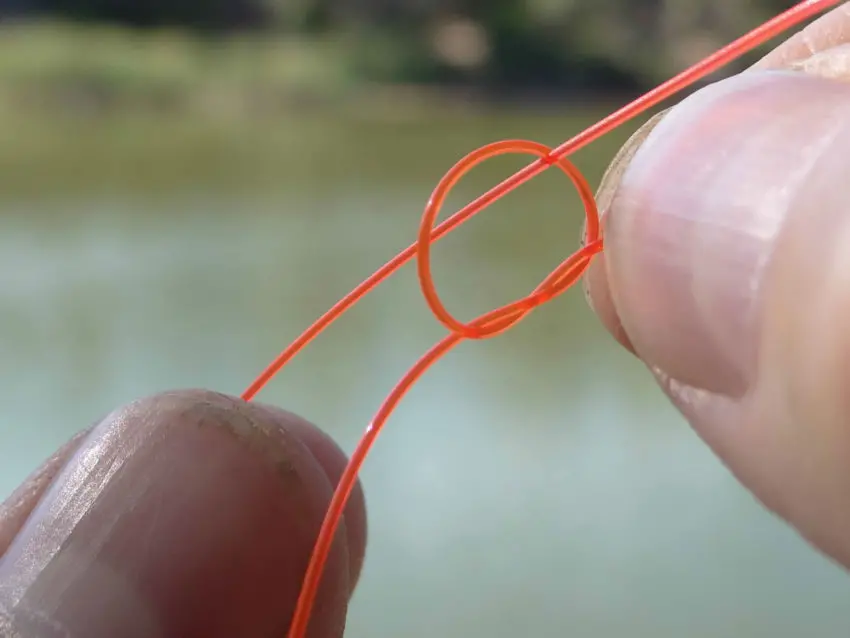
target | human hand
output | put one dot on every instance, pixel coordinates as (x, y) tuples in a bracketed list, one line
[(188, 514), (727, 272)]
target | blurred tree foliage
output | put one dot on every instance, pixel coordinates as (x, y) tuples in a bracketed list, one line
[(532, 44)]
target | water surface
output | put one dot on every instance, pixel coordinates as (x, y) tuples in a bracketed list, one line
[(533, 485)]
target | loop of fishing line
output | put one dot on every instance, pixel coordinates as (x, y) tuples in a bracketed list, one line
[(501, 319), (487, 325)]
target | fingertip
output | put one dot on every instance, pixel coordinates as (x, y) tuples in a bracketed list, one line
[(726, 248), (187, 513), (596, 282), (333, 461)]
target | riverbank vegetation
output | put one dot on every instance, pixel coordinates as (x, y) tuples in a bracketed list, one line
[(91, 55)]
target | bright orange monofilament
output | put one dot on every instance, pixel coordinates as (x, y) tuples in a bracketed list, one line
[(501, 319)]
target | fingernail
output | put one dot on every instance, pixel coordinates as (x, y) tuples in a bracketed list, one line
[(694, 217), (595, 280), (614, 173), (187, 514)]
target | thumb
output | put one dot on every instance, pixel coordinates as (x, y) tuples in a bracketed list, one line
[(188, 513), (727, 271)]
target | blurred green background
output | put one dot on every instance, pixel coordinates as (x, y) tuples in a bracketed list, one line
[(185, 185)]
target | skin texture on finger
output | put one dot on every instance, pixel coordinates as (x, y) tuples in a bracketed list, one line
[(726, 265), (783, 432), (185, 514), (20, 503), (333, 461), (826, 32)]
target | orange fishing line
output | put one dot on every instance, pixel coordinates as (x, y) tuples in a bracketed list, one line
[(501, 319)]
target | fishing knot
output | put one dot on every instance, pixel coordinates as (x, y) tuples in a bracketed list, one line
[(557, 282)]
